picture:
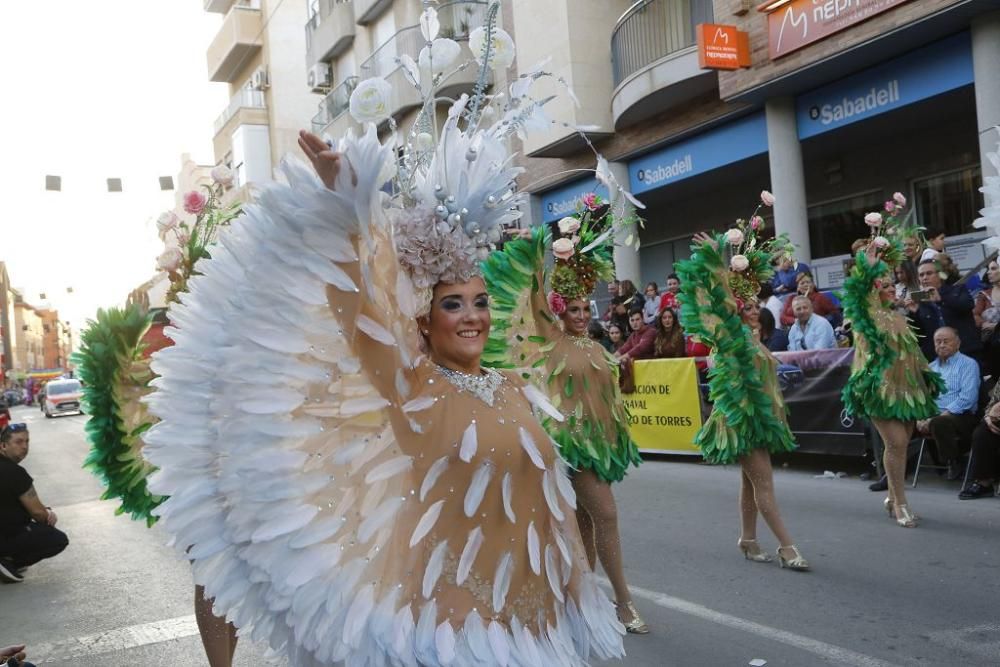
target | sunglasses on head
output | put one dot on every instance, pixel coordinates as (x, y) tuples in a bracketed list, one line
[(10, 429)]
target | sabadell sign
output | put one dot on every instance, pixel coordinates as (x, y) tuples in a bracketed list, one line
[(932, 70)]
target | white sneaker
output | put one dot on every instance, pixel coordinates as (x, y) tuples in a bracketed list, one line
[(9, 574)]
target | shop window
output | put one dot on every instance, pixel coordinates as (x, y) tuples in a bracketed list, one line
[(834, 225), (950, 201)]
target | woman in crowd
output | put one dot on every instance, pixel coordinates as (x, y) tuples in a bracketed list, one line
[(369, 517), (773, 338), (596, 333), (631, 298), (616, 338), (906, 281), (669, 341), (770, 302), (640, 341), (579, 374), (890, 381), (822, 305), (748, 422), (652, 307), (987, 315)]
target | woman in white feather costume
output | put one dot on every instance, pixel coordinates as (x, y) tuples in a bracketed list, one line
[(344, 496)]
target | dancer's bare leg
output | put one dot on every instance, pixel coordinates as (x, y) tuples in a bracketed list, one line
[(587, 534), (594, 495), (748, 509), (217, 636), (896, 436), (757, 468)]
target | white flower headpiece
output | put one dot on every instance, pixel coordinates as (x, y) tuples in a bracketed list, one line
[(454, 186)]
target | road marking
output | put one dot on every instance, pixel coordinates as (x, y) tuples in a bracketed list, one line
[(980, 640), (829, 652), (119, 639)]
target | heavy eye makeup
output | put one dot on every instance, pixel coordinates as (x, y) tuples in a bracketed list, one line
[(454, 303)]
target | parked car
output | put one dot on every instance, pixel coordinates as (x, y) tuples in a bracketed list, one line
[(60, 397)]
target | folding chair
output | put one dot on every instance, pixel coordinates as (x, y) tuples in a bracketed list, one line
[(920, 455)]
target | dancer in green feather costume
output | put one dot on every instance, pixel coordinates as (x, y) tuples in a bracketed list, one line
[(547, 339), (115, 377), (748, 419), (890, 381)]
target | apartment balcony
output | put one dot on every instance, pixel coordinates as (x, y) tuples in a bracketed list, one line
[(457, 19), (367, 11), (247, 106), (330, 31), (332, 118), (238, 40), (654, 58), (218, 6)]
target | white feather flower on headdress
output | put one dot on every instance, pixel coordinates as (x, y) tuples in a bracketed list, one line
[(990, 219)]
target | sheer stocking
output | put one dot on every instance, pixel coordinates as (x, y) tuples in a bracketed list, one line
[(896, 436), (757, 495), (586, 525), (217, 636), (595, 499)]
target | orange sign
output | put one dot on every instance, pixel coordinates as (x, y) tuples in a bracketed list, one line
[(792, 25), (722, 47)]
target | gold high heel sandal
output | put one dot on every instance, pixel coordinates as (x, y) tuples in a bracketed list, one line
[(752, 551), (887, 503), (636, 626), (797, 563), (905, 518)]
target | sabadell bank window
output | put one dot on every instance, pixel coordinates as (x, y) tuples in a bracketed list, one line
[(834, 225), (949, 202)]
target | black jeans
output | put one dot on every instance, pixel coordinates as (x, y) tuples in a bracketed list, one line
[(34, 542), (951, 433), (985, 456)]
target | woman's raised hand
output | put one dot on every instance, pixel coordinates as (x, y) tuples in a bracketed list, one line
[(324, 159), (702, 238)]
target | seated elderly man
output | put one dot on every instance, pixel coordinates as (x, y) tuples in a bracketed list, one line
[(809, 331), (984, 459), (957, 404)]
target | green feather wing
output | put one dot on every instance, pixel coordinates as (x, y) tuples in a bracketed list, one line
[(115, 377)]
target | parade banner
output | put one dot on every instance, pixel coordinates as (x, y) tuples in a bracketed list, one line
[(665, 409)]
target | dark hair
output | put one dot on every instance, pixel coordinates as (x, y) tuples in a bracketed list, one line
[(909, 272), (674, 276), (595, 330), (766, 291), (767, 324), (668, 344), (654, 286), (933, 233), (627, 288)]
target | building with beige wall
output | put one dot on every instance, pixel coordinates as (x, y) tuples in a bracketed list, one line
[(851, 107), (29, 351), (259, 51)]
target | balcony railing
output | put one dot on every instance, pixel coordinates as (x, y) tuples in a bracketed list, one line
[(245, 99), (457, 20), (334, 104), (653, 29), (330, 29), (237, 40)]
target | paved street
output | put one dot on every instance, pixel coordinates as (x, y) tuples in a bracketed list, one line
[(879, 595)]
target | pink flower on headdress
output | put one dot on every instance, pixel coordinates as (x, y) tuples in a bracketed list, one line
[(734, 237), (873, 219), (880, 242), (890, 206), (563, 248), (568, 225), (739, 263), (557, 304), (899, 198), (194, 202), (766, 198), (756, 222), (591, 201)]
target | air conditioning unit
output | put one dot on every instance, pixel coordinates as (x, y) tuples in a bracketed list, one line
[(319, 78), (260, 80)]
